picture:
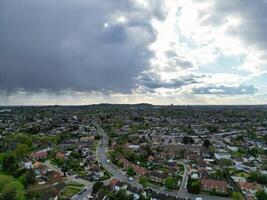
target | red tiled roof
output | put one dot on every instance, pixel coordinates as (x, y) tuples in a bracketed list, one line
[(39, 154), (60, 155), (209, 183), (114, 181), (249, 186)]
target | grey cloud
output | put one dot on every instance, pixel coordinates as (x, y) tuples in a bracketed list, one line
[(252, 29), (225, 90), (153, 81), (213, 20), (57, 45), (176, 61)]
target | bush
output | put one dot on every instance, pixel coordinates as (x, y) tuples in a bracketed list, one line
[(130, 171), (261, 195), (10, 189), (193, 186), (170, 183)]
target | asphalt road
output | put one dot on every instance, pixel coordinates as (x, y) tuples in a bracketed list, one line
[(116, 172), (102, 157), (83, 195), (183, 189)]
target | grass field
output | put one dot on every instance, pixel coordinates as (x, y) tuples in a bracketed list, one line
[(242, 174), (69, 191)]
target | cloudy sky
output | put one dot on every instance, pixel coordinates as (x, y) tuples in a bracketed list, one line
[(133, 51)]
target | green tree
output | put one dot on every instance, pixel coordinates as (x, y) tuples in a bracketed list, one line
[(206, 143), (130, 171), (4, 180), (193, 186), (259, 178), (120, 195), (261, 195), (225, 163), (97, 186), (188, 140), (8, 161), (237, 196), (21, 150), (143, 181), (11, 190), (213, 128), (170, 182), (30, 177)]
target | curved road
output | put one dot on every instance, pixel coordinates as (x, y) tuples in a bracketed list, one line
[(116, 172)]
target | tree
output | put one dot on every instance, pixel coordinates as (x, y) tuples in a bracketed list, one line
[(188, 140), (97, 186), (4, 180), (225, 163), (170, 182), (237, 196), (98, 137), (193, 186), (213, 129), (265, 139), (206, 143), (259, 178), (120, 195), (30, 177), (143, 181), (261, 195), (8, 161), (13, 191), (10, 189), (21, 150), (130, 171)]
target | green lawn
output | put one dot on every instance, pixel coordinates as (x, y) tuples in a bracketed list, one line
[(242, 174), (69, 191), (75, 184), (4, 173)]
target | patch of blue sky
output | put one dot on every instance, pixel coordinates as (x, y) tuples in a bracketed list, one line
[(225, 64)]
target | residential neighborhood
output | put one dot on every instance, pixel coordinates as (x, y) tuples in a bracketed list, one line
[(135, 152)]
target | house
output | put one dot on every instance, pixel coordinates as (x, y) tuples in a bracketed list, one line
[(151, 158), (203, 173), (193, 157), (39, 155), (54, 192), (195, 176), (249, 188), (126, 163), (113, 182), (172, 165), (140, 171), (100, 195), (214, 185), (220, 156), (52, 176), (27, 164), (157, 177), (118, 186), (238, 179), (136, 192), (165, 155), (60, 155)]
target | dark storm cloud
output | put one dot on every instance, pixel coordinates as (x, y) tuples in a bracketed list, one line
[(252, 29), (225, 90), (56, 45), (153, 81)]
